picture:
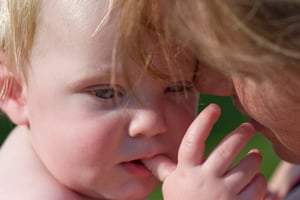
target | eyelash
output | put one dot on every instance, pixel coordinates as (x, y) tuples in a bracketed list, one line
[(107, 93), (180, 88)]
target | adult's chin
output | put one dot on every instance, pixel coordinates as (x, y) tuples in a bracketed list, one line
[(282, 151), (267, 133), (286, 154)]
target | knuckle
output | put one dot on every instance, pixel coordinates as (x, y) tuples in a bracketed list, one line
[(189, 144), (224, 153)]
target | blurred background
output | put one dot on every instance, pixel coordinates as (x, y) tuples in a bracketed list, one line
[(230, 119)]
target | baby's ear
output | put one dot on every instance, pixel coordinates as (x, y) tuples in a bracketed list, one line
[(12, 101)]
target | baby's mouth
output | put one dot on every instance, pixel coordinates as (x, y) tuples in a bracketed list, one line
[(137, 168), (137, 162)]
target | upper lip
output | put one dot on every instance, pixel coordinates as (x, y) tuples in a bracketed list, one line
[(144, 156)]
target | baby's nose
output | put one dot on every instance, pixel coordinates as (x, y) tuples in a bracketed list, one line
[(147, 122)]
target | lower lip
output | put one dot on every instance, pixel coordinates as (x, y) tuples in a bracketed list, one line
[(137, 170)]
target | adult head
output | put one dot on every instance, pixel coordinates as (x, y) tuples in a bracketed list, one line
[(249, 50)]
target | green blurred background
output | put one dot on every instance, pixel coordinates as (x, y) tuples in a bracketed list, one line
[(230, 119)]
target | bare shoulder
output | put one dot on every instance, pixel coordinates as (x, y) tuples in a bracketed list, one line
[(23, 177)]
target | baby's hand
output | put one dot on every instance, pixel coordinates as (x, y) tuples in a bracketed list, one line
[(211, 179)]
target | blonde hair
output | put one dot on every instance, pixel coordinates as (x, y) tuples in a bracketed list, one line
[(142, 20), (18, 22), (17, 27), (247, 36)]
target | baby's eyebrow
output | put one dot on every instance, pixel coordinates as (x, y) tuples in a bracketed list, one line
[(183, 74), (91, 77)]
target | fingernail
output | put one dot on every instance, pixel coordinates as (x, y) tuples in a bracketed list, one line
[(247, 127), (214, 107), (255, 152)]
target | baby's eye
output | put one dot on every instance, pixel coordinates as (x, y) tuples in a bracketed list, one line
[(179, 88), (181, 92), (107, 93)]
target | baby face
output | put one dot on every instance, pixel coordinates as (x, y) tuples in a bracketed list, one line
[(89, 131)]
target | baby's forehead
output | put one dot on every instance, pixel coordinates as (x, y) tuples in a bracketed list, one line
[(82, 13), (65, 23), (72, 22)]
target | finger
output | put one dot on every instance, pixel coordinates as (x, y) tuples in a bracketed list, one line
[(255, 190), (224, 154), (192, 147), (160, 166), (243, 172)]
